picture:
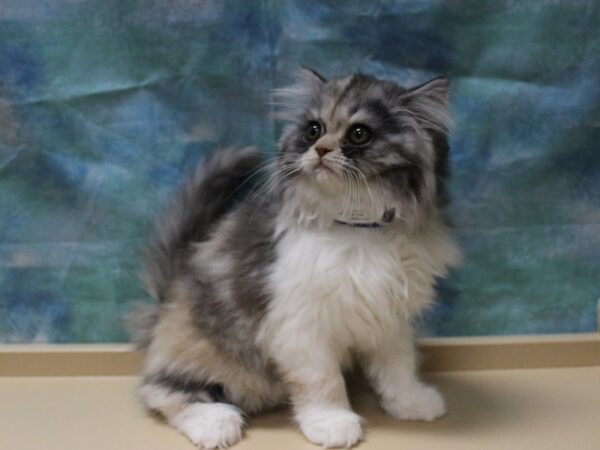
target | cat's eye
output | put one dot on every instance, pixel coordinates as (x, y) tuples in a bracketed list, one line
[(313, 130), (358, 134)]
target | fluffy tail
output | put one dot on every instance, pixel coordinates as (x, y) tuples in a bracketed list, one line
[(203, 199)]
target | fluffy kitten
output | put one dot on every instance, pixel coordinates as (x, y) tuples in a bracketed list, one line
[(272, 296)]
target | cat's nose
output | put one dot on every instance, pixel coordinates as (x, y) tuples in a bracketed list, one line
[(321, 151)]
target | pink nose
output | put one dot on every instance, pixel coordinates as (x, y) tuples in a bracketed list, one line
[(321, 151)]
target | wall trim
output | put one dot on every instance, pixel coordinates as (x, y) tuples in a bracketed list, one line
[(438, 354)]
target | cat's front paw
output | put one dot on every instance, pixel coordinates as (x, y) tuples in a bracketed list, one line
[(210, 425), (331, 427), (420, 402)]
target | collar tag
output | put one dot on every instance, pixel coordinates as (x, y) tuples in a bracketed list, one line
[(358, 218)]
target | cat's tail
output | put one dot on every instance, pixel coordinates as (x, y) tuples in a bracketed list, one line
[(202, 200)]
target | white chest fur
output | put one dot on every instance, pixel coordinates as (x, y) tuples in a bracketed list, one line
[(351, 287)]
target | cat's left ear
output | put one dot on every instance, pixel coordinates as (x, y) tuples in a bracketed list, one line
[(428, 104), (292, 100), (311, 75)]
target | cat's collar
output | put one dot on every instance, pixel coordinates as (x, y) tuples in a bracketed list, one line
[(359, 224), (358, 219)]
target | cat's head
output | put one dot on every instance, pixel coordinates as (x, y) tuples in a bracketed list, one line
[(361, 146)]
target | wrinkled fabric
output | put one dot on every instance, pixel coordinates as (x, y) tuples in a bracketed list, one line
[(104, 105)]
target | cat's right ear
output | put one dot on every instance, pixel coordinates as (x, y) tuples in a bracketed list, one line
[(428, 105), (292, 101)]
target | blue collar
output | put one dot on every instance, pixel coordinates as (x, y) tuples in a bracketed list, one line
[(359, 225)]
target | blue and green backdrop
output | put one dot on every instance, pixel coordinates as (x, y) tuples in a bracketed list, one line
[(104, 105)]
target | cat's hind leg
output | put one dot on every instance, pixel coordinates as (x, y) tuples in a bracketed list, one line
[(198, 410)]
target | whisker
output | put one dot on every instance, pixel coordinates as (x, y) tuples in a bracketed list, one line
[(275, 180)]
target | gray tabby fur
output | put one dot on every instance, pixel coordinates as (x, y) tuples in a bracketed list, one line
[(208, 266)]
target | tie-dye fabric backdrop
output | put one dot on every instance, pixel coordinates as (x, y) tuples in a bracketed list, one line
[(105, 104)]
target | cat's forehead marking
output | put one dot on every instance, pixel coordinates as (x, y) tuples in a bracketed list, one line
[(333, 110), (344, 86), (356, 94), (339, 119), (331, 97)]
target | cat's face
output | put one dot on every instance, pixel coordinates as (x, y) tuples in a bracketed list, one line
[(360, 139)]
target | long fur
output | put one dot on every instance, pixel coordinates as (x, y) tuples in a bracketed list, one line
[(198, 205), (271, 295)]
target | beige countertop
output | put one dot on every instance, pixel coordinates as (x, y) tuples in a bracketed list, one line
[(494, 409)]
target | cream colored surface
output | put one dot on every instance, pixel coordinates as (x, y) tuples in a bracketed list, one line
[(508, 409)]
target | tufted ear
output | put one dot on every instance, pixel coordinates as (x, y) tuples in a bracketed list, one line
[(311, 74), (428, 105), (291, 101)]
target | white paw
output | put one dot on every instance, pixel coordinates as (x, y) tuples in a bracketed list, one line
[(420, 402), (210, 425), (331, 427)]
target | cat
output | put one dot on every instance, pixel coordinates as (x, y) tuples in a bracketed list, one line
[(269, 296)]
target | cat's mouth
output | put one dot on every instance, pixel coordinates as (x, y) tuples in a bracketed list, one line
[(324, 167), (323, 171)]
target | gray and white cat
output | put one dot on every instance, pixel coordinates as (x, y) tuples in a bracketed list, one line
[(271, 297)]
